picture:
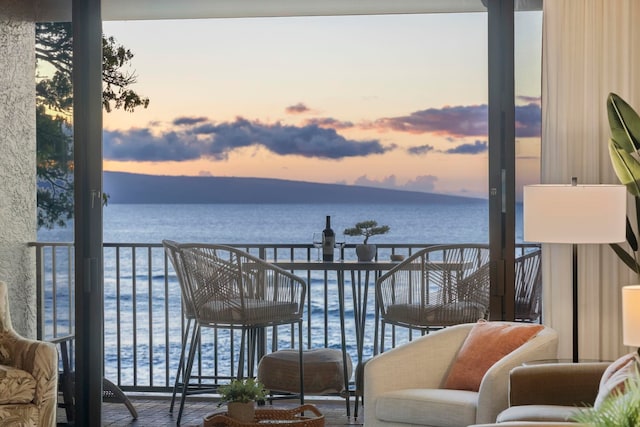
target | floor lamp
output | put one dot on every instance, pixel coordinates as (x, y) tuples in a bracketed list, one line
[(574, 214)]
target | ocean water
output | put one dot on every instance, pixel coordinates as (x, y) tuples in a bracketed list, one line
[(289, 223), (135, 298)]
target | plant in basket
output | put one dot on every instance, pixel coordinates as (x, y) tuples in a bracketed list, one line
[(241, 396)]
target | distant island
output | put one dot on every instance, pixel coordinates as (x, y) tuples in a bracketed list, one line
[(148, 189)]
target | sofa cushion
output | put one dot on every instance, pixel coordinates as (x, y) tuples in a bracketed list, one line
[(537, 413), (247, 310), (486, 343), (442, 314), (614, 377), (16, 385), (432, 407)]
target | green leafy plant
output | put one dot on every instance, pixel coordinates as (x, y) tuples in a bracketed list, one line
[(54, 111), (623, 150), (366, 229), (244, 391), (619, 409)]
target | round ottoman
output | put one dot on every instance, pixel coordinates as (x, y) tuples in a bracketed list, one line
[(323, 374)]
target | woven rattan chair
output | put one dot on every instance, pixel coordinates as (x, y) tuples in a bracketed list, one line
[(528, 287), (231, 289), (437, 286), (172, 251), (111, 393)]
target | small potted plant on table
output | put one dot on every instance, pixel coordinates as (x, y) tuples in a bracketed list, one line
[(240, 397), (365, 251)]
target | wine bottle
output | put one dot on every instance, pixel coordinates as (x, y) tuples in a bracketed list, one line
[(328, 241)]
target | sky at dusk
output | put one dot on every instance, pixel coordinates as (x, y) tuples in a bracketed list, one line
[(394, 101)]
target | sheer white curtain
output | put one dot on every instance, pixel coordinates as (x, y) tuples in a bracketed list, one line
[(590, 48)]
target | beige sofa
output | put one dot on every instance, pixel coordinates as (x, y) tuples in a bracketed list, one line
[(28, 375), (549, 394)]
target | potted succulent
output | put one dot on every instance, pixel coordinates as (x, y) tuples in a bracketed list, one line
[(240, 397), (365, 251)]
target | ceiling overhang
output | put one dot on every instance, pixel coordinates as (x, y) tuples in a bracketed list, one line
[(123, 10)]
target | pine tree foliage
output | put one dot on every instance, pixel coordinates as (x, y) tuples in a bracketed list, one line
[(54, 111)]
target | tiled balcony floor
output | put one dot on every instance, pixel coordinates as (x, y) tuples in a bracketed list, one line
[(154, 411)]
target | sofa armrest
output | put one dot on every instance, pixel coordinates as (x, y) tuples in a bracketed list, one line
[(40, 359), (494, 390), (567, 384)]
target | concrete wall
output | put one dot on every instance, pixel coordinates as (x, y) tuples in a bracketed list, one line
[(18, 160)]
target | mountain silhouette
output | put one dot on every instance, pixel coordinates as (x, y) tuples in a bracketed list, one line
[(137, 188)]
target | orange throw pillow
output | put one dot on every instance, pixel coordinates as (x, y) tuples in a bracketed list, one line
[(487, 343)]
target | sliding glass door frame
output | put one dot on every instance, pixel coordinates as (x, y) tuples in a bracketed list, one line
[(502, 174), (89, 283), (87, 26)]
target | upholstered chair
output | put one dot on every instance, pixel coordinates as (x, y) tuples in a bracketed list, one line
[(453, 377), (28, 375)]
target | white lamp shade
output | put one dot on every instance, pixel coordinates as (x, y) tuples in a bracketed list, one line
[(574, 213), (631, 315)]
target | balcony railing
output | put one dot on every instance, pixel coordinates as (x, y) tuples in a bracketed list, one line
[(143, 322)]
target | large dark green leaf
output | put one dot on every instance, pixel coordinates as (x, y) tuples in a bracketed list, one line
[(623, 150), (624, 123), (634, 244), (626, 167), (631, 237), (625, 257)]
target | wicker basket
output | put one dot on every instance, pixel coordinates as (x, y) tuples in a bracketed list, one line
[(282, 417)]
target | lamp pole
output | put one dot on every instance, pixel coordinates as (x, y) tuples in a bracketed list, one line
[(575, 303), (574, 250)]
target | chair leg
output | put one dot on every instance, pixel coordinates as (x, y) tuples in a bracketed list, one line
[(376, 329), (180, 370), (112, 393), (251, 351), (66, 382), (355, 405), (187, 374), (301, 362), (243, 342)]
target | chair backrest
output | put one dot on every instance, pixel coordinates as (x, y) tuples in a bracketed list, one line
[(232, 287), (172, 249), (440, 285), (528, 287)]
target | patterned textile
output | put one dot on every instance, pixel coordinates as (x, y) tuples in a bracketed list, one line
[(16, 385), (18, 415), (40, 360)]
